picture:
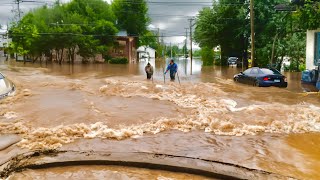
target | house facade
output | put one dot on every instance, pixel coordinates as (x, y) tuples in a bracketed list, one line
[(125, 46), (313, 49)]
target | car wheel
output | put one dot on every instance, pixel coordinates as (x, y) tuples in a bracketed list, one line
[(235, 79), (256, 83)]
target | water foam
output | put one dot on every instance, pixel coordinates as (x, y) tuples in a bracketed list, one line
[(209, 109)]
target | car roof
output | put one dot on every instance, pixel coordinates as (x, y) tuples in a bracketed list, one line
[(270, 69)]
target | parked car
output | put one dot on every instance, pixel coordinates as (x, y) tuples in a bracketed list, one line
[(232, 61), (261, 77), (6, 86)]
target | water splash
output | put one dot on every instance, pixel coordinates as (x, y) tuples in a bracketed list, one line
[(209, 109)]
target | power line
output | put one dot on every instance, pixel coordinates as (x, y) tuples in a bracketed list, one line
[(191, 25), (95, 35)]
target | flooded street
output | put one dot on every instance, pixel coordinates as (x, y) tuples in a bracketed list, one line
[(208, 116)]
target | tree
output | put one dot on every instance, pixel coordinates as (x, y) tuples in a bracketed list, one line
[(24, 35), (149, 39), (227, 26), (131, 16), (223, 25), (84, 27), (307, 15), (185, 50), (207, 56), (174, 50)]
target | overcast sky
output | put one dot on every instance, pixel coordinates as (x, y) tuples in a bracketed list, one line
[(171, 16)]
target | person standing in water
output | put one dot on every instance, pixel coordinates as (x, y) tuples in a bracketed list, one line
[(173, 68), (149, 70)]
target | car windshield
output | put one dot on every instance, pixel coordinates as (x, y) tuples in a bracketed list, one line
[(247, 71), (270, 71)]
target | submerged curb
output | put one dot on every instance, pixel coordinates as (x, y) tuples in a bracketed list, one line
[(213, 169)]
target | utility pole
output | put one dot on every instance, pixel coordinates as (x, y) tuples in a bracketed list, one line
[(158, 35), (191, 58), (19, 11), (252, 31), (170, 50), (185, 44)]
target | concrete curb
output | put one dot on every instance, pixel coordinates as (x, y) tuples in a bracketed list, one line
[(213, 169)]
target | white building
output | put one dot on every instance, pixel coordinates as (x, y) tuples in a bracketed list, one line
[(313, 49), (145, 53), (4, 40)]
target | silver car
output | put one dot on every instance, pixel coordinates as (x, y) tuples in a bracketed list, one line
[(232, 61), (6, 87)]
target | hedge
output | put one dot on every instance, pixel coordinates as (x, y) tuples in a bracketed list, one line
[(118, 61)]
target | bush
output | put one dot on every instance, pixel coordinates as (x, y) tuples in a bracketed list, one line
[(207, 56), (302, 67), (118, 61), (107, 57)]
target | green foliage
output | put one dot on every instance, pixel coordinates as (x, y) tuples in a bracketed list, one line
[(308, 15), (84, 27), (185, 49), (160, 50), (223, 25), (197, 53), (207, 56), (25, 35), (277, 34), (175, 51), (131, 16), (302, 67), (118, 61), (149, 39)]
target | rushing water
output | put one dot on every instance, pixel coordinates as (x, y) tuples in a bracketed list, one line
[(271, 129)]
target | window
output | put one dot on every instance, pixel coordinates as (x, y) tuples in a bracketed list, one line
[(270, 71), (246, 72), (255, 71)]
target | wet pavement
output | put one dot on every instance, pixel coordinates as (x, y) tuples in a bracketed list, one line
[(113, 108)]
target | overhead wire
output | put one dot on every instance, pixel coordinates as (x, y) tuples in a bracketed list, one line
[(158, 3)]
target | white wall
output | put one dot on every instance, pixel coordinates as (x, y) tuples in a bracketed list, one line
[(4, 41), (148, 50), (310, 50), (151, 52)]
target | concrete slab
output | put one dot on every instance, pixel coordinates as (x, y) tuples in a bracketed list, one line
[(7, 140)]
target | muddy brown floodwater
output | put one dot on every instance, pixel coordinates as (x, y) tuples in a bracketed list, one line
[(208, 116)]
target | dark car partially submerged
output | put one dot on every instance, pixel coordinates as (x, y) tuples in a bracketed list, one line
[(6, 87), (261, 77)]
